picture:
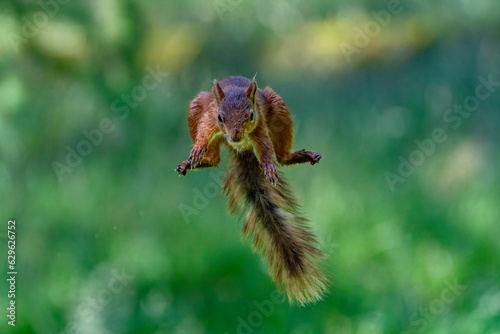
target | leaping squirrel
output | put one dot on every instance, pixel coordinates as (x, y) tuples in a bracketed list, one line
[(258, 129)]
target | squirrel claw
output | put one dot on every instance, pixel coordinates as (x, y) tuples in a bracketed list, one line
[(270, 172), (315, 158), (196, 155), (181, 168)]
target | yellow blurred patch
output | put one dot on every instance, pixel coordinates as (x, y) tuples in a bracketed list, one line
[(172, 48)]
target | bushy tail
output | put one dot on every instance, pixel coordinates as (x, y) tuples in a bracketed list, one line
[(279, 233)]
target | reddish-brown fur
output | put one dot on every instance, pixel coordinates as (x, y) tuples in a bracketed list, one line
[(258, 128)]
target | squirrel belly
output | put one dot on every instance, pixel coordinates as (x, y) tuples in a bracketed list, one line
[(279, 233)]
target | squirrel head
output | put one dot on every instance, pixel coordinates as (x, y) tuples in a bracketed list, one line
[(237, 114)]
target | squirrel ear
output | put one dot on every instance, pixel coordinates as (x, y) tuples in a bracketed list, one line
[(251, 90), (218, 92)]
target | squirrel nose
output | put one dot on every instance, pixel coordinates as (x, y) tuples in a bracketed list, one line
[(236, 139)]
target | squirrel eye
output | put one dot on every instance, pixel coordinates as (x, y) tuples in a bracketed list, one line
[(219, 118), (251, 115)]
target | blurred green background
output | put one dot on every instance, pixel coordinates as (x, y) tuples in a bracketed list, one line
[(102, 243)]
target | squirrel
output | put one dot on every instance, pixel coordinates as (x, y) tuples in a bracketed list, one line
[(258, 129)]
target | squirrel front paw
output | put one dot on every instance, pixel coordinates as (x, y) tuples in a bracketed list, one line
[(312, 157), (182, 167), (315, 157), (270, 172), (196, 155)]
